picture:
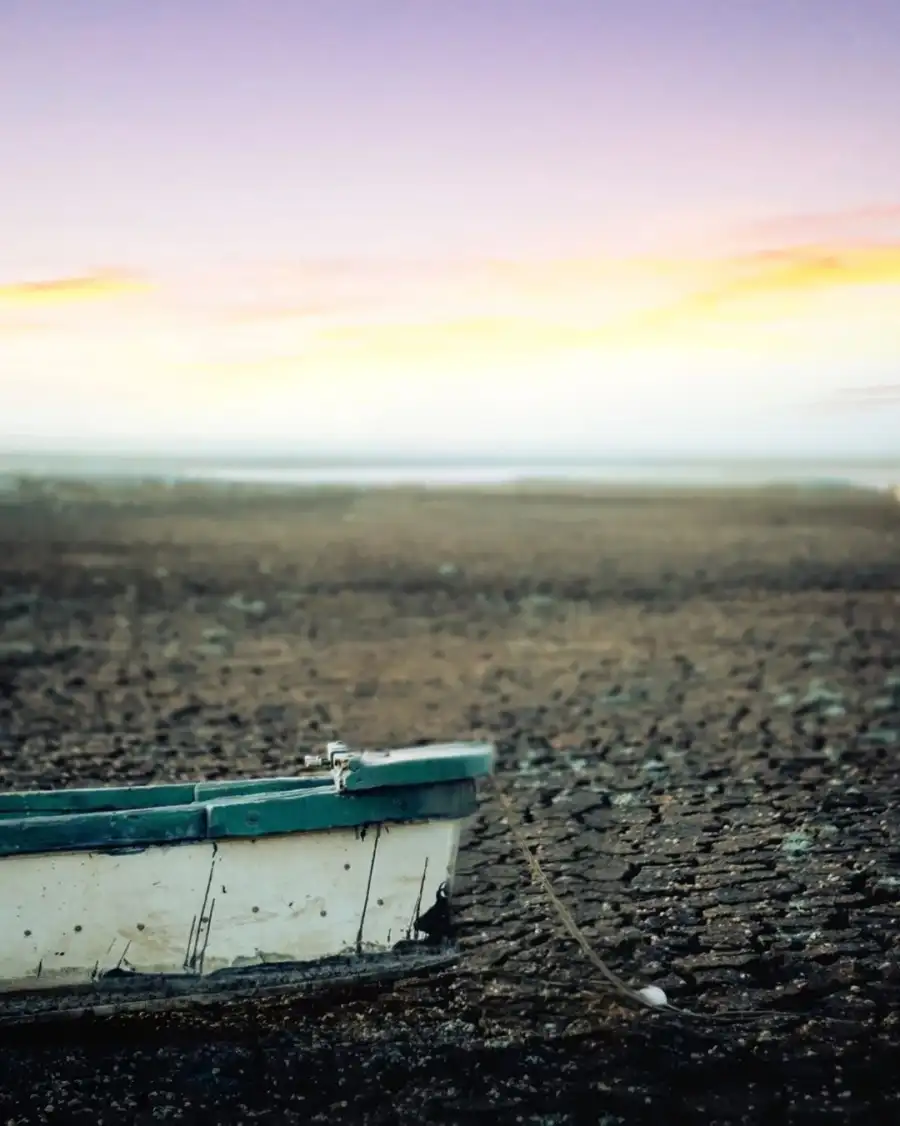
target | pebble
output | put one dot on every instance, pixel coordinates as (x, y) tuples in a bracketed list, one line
[(655, 996)]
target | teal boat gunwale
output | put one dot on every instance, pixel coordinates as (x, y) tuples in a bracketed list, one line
[(110, 799), (434, 784), (358, 771)]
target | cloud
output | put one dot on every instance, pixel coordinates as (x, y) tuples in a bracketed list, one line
[(856, 224), (401, 306), (63, 291), (763, 305), (236, 329), (770, 285), (403, 290)]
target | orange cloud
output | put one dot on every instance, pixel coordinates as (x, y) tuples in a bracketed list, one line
[(89, 287), (764, 285), (748, 302), (487, 316), (821, 267), (396, 304)]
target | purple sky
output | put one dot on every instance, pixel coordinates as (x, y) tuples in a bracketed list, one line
[(194, 139), (176, 130)]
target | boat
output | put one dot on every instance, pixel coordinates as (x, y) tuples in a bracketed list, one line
[(166, 895)]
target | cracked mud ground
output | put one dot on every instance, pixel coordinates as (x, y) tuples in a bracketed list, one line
[(697, 707)]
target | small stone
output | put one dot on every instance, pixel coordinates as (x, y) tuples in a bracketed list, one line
[(820, 696), (537, 602), (886, 737), (15, 605), (254, 607), (215, 633), (654, 996), (795, 844)]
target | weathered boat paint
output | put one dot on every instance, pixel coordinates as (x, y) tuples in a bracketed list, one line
[(150, 893)]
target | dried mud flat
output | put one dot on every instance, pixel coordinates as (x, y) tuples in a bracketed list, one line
[(696, 701)]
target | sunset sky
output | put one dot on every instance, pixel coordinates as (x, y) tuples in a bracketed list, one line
[(450, 225)]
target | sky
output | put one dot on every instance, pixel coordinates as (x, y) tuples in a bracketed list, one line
[(436, 226)]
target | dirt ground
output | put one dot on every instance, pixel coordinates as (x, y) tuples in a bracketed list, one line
[(696, 701)]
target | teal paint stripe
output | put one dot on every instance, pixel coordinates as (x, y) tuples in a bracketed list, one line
[(246, 788), (255, 815), (299, 813), (408, 785), (124, 828), (115, 798), (50, 802), (448, 763)]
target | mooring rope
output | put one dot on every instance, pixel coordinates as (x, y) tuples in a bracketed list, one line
[(620, 987), (565, 915)]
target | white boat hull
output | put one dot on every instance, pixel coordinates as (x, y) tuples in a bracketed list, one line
[(198, 912)]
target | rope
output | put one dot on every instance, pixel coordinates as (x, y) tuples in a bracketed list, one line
[(620, 987)]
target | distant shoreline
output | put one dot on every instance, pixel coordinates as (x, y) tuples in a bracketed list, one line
[(641, 473), (55, 491)]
